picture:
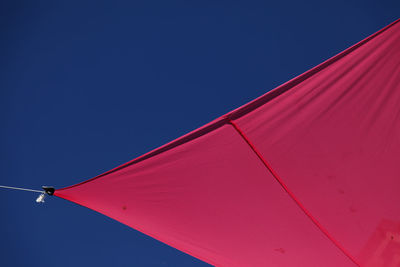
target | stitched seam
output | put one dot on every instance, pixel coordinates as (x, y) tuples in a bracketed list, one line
[(290, 193)]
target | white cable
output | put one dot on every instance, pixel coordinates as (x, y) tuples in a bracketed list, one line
[(22, 189)]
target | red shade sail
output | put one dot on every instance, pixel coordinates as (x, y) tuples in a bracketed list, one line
[(306, 175)]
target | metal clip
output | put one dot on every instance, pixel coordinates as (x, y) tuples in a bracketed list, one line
[(48, 190), (40, 198)]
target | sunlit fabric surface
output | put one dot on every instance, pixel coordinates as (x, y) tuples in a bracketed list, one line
[(306, 175)]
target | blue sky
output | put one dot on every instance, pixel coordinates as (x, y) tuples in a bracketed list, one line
[(86, 86)]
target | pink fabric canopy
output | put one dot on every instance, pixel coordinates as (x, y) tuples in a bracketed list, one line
[(306, 175)]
